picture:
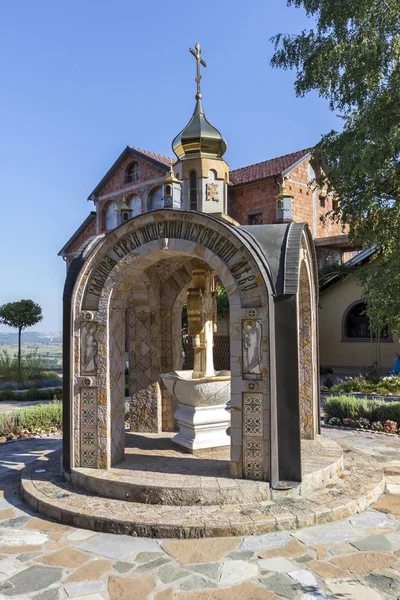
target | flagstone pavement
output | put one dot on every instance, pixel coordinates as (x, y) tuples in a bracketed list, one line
[(357, 558)]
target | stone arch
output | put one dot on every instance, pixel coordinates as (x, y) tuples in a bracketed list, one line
[(247, 281)]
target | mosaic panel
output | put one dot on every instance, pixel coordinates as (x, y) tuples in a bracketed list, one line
[(253, 435), (305, 357), (88, 420)]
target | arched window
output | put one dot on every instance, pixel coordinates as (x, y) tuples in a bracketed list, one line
[(110, 219), (132, 172), (155, 199), (168, 190), (357, 325), (135, 204), (193, 190)]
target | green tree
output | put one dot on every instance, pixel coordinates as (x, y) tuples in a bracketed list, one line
[(350, 56), (20, 315)]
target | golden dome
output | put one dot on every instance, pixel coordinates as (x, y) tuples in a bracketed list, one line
[(199, 138)]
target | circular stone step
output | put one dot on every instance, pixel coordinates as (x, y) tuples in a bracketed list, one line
[(155, 472), (361, 483)]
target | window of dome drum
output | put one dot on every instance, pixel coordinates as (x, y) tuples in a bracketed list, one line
[(168, 190), (357, 325), (133, 172), (193, 190)]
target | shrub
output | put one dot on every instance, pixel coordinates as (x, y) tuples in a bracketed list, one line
[(33, 365), (361, 410), (32, 394), (43, 416)]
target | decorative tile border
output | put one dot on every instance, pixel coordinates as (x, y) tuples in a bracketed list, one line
[(88, 427), (253, 435)]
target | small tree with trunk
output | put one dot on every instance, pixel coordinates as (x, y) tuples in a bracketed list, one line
[(20, 315)]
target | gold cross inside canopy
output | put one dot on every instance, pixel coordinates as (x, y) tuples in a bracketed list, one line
[(197, 54)]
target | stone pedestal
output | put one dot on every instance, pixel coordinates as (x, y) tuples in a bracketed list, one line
[(201, 415)]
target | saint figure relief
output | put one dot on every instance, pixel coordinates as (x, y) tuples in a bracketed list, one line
[(88, 348), (252, 351)]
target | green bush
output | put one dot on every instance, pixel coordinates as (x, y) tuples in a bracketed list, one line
[(344, 407), (32, 394), (42, 416)]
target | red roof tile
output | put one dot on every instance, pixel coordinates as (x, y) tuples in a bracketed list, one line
[(165, 160), (268, 168)]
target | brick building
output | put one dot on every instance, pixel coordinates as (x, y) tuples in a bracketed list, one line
[(137, 178)]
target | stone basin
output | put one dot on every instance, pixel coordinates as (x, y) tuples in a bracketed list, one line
[(205, 391), (201, 415)]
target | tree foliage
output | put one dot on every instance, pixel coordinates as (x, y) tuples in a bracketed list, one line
[(20, 315), (351, 57)]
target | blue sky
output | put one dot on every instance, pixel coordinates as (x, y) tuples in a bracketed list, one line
[(81, 79)]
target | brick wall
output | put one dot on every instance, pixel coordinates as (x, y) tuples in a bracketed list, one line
[(248, 198), (117, 181)]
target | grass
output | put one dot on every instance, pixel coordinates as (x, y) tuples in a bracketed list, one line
[(45, 417)]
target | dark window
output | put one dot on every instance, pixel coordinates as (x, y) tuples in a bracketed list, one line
[(133, 172), (125, 216), (357, 323), (168, 190), (193, 190), (335, 204), (255, 219), (322, 201)]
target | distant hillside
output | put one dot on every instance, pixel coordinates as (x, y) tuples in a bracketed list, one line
[(31, 338)]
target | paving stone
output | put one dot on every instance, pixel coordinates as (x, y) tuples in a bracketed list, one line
[(365, 562), (326, 570), (164, 595), (153, 564), (234, 571), (28, 556), (305, 578), (353, 591), (80, 535), (320, 551), (45, 525), (117, 546), (264, 542), (7, 566), (384, 581), (21, 537), (197, 582), (278, 564), (208, 569), (32, 579), (92, 571), (240, 555), (7, 513), (388, 503), (372, 518), (144, 557), (68, 558), (291, 550), (379, 530), (377, 543), (327, 534), (316, 595), (201, 550), (125, 588), (123, 567), (344, 548), (170, 573), (89, 597), (394, 539), (305, 558), (15, 523), (280, 584), (52, 594), (244, 591), (81, 589)]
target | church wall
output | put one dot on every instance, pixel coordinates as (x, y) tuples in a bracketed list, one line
[(333, 303), (117, 181), (254, 198)]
